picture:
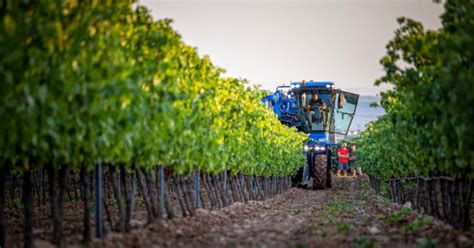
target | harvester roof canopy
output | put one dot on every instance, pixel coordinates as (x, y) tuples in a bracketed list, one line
[(312, 86), (314, 83)]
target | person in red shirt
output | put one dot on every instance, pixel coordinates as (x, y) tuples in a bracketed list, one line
[(343, 154)]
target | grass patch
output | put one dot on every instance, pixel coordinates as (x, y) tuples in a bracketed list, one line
[(427, 242), (342, 227), (302, 246), (16, 203), (363, 241), (296, 211), (419, 223), (319, 231), (339, 204), (404, 212), (366, 192)]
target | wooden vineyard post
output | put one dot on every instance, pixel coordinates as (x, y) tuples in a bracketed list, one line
[(161, 182), (99, 228), (3, 175), (254, 187), (225, 182), (224, 189), (242, 185), (197, 189), (274, 186), (28, 209), (469, 190), (133, 182)]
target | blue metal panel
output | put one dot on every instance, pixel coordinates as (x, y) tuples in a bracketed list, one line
[(321, 138), (314, 84), (276, 109)]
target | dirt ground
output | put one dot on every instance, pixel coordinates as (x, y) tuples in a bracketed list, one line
[(348, 215)]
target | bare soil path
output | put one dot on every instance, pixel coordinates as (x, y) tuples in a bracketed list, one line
[(348, 215)]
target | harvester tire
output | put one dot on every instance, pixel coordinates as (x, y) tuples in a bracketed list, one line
[(320, 165)]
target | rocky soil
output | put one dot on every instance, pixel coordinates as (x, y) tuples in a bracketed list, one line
[(348, 215)]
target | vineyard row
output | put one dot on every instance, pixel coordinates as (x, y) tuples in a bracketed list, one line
[(444, 198), (161, 194), (105, 85)]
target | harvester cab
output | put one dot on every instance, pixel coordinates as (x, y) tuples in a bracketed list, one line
[(321, 111)]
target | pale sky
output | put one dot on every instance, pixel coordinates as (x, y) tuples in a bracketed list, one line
[(275, 42)]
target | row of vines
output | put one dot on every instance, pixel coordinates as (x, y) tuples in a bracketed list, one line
[(100, 85), (427, 131)]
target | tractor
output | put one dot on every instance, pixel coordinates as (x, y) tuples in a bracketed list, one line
[(320, 110)]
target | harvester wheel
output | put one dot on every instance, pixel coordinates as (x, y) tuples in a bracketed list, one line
[(320, 165)]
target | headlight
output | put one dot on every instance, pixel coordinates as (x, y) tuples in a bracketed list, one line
[(323, 148), (317, 148), (306, 148)]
